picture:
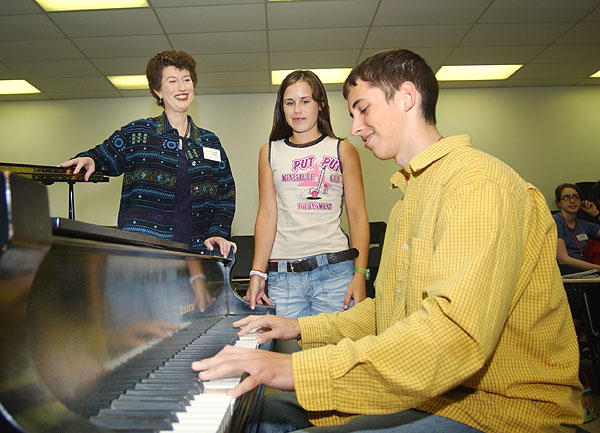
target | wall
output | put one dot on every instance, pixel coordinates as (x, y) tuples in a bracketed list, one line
[(548, 134)]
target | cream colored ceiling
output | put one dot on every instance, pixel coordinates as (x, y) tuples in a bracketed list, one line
[(237, 42)]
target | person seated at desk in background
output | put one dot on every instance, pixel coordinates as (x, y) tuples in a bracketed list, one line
[(573, 233), (177, 181), (470, 329)]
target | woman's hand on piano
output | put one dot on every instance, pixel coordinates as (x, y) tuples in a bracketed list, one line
[(264, 368), (79, 163), (223, 244), (270, 327), (255, 294)]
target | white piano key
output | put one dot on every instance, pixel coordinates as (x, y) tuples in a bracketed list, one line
[(211, 411)]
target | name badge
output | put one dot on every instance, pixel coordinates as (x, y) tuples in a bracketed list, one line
[(212, 154), (582, 237)]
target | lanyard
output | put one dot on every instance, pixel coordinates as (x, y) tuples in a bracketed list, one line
[(573, 235)]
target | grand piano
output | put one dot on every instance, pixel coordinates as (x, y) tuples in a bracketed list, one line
[(98, 327)]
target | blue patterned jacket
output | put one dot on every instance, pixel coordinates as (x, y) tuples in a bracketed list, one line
[(145, 152)]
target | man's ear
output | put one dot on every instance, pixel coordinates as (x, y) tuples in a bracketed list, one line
[(408, 95)]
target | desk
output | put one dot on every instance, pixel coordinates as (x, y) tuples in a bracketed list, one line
[(582, 291)]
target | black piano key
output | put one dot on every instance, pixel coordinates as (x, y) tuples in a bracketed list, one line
[(192, 387), (176, 398), (147, 405), (168, 414), (132, 424), (184, 394), (172, 379)]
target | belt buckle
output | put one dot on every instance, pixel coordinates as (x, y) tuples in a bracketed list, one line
[(293, 270)]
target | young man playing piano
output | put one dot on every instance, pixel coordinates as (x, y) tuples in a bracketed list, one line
[(470, 329)]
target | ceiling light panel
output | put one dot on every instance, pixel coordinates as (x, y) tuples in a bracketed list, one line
[(80, 5), (476, 72)]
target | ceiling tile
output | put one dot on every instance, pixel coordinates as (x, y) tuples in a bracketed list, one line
[(297, 15), (122, 65), (86, 84), (470, 84), (212, 18), (432, 55), (416, 36), (407, 12), (514, 34), (235, 90), (554, 70), (84, 94), (173, 3), (223, 79), (493, 55), (537, 11), (8, 74), (540, 82), (594, 15), (225, 42), (582, 33), (28, 27), (568, 54), (122, 46), (314, 59), (115, 22), (10, 7), (316, 39), (56, 69), (231, 62), (27, 97), (52, 49)]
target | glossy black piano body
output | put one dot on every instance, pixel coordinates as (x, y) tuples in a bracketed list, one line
[(78, 301)]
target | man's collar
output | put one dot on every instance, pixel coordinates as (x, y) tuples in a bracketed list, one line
[(428, 156)]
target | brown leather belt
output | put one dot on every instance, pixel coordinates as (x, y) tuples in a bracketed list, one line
[(310, 263)]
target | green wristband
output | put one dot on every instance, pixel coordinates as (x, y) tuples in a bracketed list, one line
[(367, 272)]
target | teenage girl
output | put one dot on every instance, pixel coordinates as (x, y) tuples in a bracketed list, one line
[(306, 174)]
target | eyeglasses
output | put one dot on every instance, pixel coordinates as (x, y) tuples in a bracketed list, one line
[(567, 197)]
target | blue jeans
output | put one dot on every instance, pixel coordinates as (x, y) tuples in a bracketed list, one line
[(281, 413), (321, 290)]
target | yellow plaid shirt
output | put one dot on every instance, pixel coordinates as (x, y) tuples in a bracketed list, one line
[(470, 320)]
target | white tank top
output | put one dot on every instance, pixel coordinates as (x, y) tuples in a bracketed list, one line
[(310, 195)]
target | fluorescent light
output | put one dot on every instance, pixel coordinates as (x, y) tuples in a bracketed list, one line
[(16, 87), (129, 81), (596, 75), (476, 72), (327, 76), (78, 5)]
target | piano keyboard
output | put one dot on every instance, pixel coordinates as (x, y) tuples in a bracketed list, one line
[(171, 398)]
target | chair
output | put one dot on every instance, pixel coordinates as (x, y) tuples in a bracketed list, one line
[(377, 230), (243, 262)]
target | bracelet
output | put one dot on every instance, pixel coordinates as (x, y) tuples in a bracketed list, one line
[(199, 276), (367, 272), (261, 274)]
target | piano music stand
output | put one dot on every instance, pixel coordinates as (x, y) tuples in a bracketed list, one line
[(47, 175)]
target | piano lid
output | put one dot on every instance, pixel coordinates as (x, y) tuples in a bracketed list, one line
[(76, 299)]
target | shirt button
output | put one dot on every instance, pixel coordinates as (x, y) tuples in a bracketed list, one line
[(404, 246)]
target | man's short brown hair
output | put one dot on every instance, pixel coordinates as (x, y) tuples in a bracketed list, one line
[(387, 70)]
